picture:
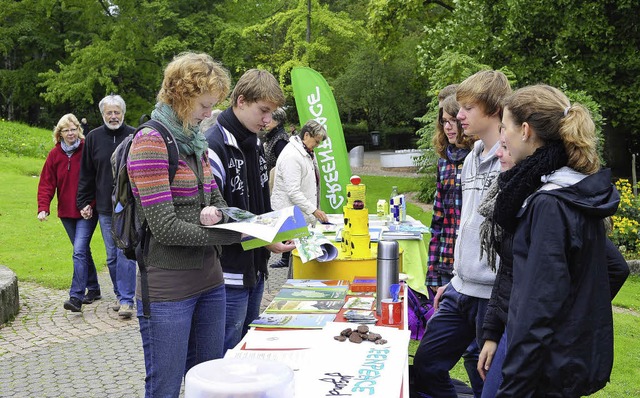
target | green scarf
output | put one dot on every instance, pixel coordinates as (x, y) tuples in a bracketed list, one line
[(190, 140)]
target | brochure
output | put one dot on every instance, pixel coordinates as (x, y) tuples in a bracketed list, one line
[(264, 229), (360, 316), (317, 283), (360, 303), (315, 246), (305, 306), (292, 321), (374, 234), (269, 339), (311, 294), (401, 235), (294, 359)]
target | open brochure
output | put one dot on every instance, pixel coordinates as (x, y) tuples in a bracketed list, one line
[(264, 229), (304, 306), (315, 246)]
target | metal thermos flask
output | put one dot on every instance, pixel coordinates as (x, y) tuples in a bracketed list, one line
[(387, 270)]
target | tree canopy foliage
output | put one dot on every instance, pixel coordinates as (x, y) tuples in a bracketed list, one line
[(385, 59)]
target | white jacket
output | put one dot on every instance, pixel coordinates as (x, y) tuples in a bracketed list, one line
[(295, 180)]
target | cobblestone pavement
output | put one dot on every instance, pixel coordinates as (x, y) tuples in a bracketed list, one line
[(50, 352)]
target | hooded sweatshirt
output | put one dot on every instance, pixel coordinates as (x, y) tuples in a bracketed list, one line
[(240, 170), (472, 275)]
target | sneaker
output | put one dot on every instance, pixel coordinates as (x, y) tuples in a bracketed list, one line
[(125, 311), (73, 304), (91, 296), (280, 264), (116, 306)]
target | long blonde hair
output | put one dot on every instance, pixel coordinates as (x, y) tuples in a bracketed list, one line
[(552, 117)]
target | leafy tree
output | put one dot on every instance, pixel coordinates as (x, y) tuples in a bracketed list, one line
[(125, 55), (385, 90), (584, 46), (392, 20), (279, 43), (29, 46)]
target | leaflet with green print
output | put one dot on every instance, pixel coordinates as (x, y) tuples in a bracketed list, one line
[(264, 229)]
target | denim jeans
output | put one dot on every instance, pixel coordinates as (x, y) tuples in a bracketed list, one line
[(178, 336), (494, 375), (449, 333), (121, 269), (85, 276), (243, 306)]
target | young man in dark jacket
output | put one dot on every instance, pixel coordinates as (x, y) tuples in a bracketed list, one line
[(96, 183), (240, 170)]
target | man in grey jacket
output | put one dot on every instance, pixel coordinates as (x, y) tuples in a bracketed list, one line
[(461, 304)]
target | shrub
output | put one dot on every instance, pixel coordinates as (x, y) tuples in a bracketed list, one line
[(625, 233)]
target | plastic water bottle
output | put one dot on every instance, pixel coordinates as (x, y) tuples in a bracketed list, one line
[(394, 193), (393, 203)]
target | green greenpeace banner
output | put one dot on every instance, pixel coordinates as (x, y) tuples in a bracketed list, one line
[(314, 100)]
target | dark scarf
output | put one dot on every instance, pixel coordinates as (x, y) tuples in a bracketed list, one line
[(517, 184), (455, 154), (309, 151), (490, 232)]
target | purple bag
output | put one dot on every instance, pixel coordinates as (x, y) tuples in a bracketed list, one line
[(420, 308)]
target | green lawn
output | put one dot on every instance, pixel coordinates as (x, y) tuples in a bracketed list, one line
[(41, 252), (625, 378)]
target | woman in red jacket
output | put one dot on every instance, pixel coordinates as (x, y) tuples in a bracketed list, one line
[(60, 175)]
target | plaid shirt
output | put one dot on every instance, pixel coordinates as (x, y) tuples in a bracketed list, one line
[(446, 217)]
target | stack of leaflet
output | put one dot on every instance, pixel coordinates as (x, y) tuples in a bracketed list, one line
[(359, 310), (360, 316), (304, 304)]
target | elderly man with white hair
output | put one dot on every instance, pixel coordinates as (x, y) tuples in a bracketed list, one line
[(94, 197)]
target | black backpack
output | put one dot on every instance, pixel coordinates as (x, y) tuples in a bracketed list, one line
[(128, 233)]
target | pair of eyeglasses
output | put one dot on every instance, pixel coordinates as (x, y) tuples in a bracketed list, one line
[(65, 131), (452, 122), (114, 113)]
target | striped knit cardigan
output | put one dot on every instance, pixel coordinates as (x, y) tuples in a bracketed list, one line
[(173, 212)]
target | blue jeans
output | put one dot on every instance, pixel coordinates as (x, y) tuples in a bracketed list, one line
[(121, 269), (449, 333), (85, 276), (178, 336), (243, 306), (494, 375)]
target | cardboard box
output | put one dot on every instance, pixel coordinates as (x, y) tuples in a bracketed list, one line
[(364, 284)]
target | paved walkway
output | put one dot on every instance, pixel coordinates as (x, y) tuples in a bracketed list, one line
[(50, 352)]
